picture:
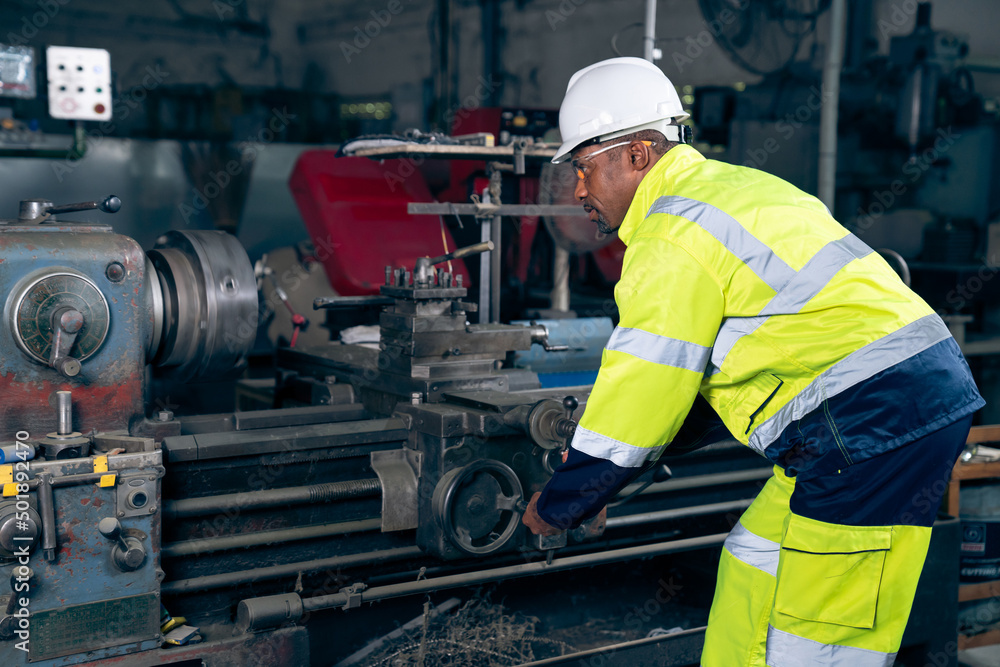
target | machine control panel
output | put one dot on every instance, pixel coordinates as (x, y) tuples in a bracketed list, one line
[(79, 83)]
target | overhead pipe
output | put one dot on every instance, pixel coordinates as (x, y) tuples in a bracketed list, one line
[(827, 189)]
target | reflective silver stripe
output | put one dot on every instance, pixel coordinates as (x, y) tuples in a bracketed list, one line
[(732, 329), (738, 240), (860, 365), (815, 275), (793, 297), (787, 650), (753, 550), (659, 349), (620, 453)]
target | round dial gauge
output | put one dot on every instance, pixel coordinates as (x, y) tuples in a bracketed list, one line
[(55, 291)]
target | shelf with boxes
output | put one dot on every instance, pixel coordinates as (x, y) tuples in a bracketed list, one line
[(965, 471)]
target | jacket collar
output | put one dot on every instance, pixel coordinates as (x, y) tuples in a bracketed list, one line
[(658, 182)]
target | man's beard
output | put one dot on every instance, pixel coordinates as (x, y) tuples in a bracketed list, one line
[(603, 226)]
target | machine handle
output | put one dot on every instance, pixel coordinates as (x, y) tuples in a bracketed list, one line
[(110, 204), (424, 271), (459, 253), (128, 554)]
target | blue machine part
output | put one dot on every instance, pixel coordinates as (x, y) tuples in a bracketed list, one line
[(586, 338)]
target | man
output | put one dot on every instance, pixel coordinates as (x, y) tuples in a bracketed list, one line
[(743, 302)]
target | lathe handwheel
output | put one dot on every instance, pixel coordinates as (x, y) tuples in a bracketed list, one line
[(475, 506)]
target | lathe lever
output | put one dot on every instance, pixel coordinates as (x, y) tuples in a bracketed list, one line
[(128, 554), (66, 324)]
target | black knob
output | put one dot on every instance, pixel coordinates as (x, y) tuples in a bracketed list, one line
[(662, 474), (570, 404), (110, 528), (111, 205)]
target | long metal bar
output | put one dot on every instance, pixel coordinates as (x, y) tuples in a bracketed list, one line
[(289, 496), (247, 540), (214, 581), (46, 510), (698, 481), (649, 38), (514, 571), (827, 182), (64, 410), (482, 210), (455, 151), (495, 257), (485, 264), (680, 513), (678, 649)]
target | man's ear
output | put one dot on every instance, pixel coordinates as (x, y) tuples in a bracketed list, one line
[(639, 155)]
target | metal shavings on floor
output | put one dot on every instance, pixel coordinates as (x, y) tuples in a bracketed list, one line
[(479, 634)]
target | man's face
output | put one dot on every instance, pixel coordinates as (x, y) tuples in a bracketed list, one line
[(603, 185)]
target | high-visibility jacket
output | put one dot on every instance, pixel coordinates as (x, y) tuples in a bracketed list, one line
[(738, 286)]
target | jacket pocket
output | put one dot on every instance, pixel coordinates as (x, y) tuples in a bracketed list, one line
[(831, 573), (754, 397)]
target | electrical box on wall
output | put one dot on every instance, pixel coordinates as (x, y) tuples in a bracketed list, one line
[(79, 83), (17, 71)]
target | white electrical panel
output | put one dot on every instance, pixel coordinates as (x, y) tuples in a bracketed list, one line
[(79, 83)]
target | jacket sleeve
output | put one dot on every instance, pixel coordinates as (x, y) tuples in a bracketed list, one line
[(670, 308)]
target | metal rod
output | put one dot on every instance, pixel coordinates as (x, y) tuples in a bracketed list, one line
[(484, 246), (64, 412), (699, 481), (495, 257), (662, 650), (214, 581), (680, 513), (649, 39), (485, 210), (827, 187), (560, 280), (293, 495), (213, 544), (46, 510), (513, 571), (485, 261)]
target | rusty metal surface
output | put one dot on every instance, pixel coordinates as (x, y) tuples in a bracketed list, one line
[(67, 596), (108, 392), (286, 647)]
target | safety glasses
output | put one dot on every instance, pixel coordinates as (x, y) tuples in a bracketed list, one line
[(583, 169)]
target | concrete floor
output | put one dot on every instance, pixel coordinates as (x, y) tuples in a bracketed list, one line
[(984, 656)]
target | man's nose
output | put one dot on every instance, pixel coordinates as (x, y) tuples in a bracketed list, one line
[(580, 191)]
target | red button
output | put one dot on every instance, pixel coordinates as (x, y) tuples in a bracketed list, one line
[(99, 108)]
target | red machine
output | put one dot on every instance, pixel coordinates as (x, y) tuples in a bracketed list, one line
[(355, 212)]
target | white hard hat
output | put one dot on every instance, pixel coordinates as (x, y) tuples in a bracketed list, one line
[(616, 97)]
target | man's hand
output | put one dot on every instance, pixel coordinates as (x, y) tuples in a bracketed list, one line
[(535, 523)]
